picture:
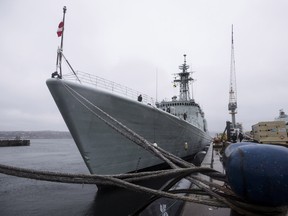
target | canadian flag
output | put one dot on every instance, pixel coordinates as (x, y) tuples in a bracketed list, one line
[(60, 29)]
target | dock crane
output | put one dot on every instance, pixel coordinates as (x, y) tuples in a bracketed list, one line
[(232, 106)]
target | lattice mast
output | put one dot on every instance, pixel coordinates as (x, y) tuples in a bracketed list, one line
[(232, 106), (184, 80)]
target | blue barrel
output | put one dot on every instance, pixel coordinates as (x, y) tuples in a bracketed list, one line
[(258, 172)]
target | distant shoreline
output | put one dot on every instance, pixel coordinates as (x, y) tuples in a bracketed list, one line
[(35, 135)]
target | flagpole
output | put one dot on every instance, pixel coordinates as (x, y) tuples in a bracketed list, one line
[(61, 47)]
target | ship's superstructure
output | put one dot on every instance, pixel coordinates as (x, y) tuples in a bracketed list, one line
[(185, 107)]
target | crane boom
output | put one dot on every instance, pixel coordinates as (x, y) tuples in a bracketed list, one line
[(232, 106)]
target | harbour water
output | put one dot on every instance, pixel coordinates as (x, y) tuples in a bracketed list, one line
[(19, 196)]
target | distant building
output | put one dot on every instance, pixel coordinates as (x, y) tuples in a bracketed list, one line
[(282, 117)]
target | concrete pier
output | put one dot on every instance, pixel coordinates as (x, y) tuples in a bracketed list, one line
[(212, 160)]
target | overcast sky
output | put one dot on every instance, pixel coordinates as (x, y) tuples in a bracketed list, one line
[(127, 41)]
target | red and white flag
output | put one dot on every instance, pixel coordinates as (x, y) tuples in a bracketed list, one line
[(60, 29)]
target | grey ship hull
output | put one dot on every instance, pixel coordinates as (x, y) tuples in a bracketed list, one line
[(104, 150)]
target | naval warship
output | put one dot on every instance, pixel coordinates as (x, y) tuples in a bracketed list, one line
[(177, 126)]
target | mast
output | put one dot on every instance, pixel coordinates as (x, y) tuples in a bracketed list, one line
[(61, 46), (184, 79), (60, 32), (232, 106), (60, 54)]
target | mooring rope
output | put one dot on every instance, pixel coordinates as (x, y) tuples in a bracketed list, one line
[(122, 129), (126, 181), (108, 180)]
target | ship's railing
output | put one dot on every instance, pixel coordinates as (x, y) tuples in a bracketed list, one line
[(108, 85)]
